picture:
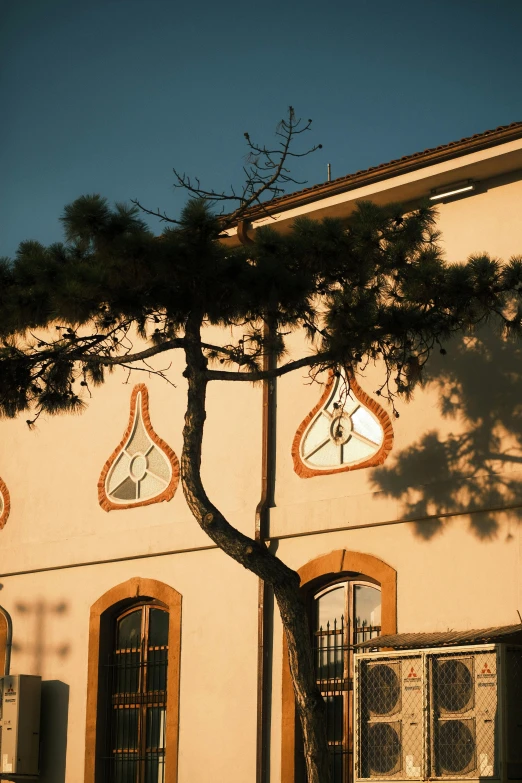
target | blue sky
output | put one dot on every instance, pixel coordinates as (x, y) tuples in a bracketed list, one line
[(107, 96)]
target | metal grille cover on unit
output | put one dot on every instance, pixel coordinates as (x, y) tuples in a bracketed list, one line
[(391, 739), (439, 713)]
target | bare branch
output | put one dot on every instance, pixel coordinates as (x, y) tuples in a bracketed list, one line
[(161, 215), (168, 345), (151, 371), (265, 172)]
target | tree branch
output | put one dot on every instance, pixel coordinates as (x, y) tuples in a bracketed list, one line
[(161, 215), (168, 345), (324, 358), (265, 172)]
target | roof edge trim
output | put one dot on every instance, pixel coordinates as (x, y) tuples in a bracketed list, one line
[(417, 160)]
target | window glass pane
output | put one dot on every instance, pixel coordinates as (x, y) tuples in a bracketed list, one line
[(126, 728), (155, 728), (330, 607), (126, 490), (157, 670), (158, 628), (329, 648), (334, 718), (336, 766), (125, 770), (127, 671), (329, 640), (155, 768), (129, 631), (367, 602)]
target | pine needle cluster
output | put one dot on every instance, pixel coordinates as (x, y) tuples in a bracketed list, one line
[(372, 288)]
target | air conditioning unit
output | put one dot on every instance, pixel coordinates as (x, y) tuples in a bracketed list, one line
[(20, 726), (444, 714)]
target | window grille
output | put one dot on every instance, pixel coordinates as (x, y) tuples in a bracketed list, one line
[(137, 697), (345, 613)]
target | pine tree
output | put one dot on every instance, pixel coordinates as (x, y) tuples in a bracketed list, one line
[(372, 288)]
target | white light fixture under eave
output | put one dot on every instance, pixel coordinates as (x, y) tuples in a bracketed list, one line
[(455, 189)]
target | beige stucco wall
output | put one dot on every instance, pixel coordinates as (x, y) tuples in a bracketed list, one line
[(453, 581), (458, 573), (488, 221), (52, 474), (50, 614)]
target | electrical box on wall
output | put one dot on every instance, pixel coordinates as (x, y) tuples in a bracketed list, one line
[(20, 726)]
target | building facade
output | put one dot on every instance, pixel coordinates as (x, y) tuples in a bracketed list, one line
[(162, 659)]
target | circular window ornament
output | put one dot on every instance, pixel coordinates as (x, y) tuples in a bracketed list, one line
[(138, 467), (341, 429)]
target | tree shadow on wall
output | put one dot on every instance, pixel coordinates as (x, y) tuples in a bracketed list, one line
[(479, 467)]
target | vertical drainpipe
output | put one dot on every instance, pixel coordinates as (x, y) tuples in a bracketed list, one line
[(264, 630), (261, 535), (8, 640)]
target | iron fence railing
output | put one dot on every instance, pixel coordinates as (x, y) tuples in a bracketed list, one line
[(333, 657)]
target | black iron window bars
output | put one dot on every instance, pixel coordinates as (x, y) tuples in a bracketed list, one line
[(137, 697)]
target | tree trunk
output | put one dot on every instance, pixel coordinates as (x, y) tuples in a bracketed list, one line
[(257, 558)]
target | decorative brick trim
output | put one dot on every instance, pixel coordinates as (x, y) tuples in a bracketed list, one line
[(168, 493), (7, 503), (100, 635), (378, 458), (325, 567)]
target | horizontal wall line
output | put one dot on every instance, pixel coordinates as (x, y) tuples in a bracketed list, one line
[(110, 560), (428, 518), (282, 537)]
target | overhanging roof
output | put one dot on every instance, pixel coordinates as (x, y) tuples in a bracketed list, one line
[(405, 641), (480, 157), (454, 149)]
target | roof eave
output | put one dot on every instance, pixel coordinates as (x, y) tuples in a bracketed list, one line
[(392, 169)]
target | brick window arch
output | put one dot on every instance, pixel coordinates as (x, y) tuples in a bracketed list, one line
[(315, 574), (138, 593)]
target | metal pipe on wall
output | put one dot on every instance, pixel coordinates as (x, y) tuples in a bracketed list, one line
[(264, 592), (261, 534), (8, 639)]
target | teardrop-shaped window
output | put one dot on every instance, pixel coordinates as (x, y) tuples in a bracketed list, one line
[(346, 430), (143, 469)]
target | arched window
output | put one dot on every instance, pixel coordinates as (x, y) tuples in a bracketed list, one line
[(344, 613), (137, 687), (133, 684), (352, 596)]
